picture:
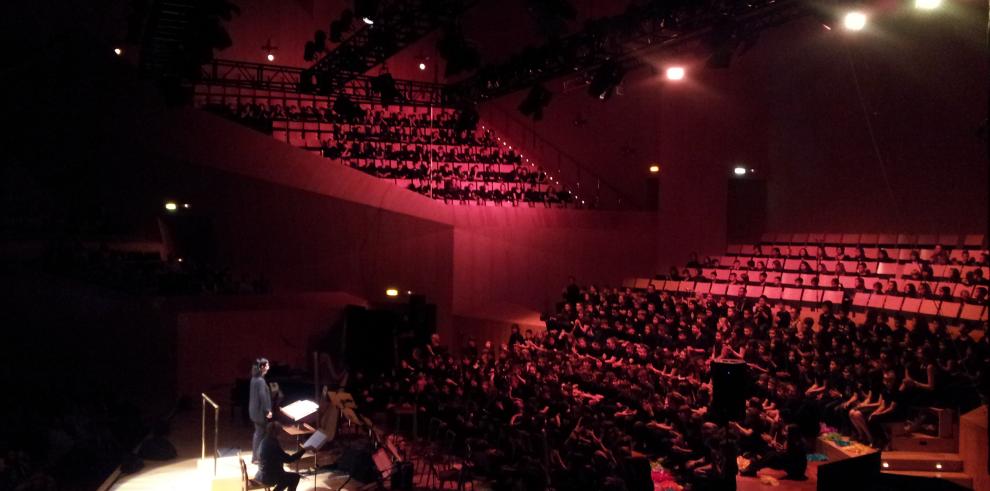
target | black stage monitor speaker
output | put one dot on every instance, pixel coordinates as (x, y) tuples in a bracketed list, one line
[(730, 388)]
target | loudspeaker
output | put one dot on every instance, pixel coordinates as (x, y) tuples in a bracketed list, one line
[(730, 388), (422, 319), (850, 474)]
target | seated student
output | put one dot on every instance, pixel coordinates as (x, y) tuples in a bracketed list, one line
[(792, 457), (271, 468)]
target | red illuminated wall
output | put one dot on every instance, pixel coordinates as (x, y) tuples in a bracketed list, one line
[(311, 224), (218, 338)]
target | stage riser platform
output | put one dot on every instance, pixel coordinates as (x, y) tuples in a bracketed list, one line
[(921, 461)]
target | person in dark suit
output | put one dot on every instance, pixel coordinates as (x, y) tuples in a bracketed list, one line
[(271, 467), (259, 405)]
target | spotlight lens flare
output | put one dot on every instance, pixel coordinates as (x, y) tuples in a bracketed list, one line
[(171, 206), (367, 20), (675, 73), (118, 51), (854, 21), (271, 57), (927, 4), (654, 169), (739, 171), (392, 292), (422, 66)]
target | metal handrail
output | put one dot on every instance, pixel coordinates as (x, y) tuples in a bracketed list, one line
[(204, 400)]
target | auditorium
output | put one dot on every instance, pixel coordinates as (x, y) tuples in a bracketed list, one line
[(519, 245)]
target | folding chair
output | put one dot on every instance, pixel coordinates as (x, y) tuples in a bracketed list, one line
[(893, 302), (773, 292), (877, 301), (972, 312), (911, 305), (791, 295), (811, 296), (754, 291), (949, 310), (834, 296), (248, 483), (861, 299)]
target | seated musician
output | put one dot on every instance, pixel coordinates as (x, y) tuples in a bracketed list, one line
[(271, 467)]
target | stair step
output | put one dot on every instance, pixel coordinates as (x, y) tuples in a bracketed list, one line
[(918, 442), (921, 461), (959, 478)]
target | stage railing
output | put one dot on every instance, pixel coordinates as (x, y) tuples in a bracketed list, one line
[(204, 400)]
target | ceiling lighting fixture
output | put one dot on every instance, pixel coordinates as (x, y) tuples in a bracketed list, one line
[(854, 21)]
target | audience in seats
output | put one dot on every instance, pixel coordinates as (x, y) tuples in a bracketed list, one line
[(436, 151), (622, 374)]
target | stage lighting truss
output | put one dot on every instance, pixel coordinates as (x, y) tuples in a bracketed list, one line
[(625, 39), (394, 26)]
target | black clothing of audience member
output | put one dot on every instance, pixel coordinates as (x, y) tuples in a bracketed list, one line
[(793, 458), (271, 467)]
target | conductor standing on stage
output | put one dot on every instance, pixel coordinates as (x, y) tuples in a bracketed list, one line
[(259, 406)]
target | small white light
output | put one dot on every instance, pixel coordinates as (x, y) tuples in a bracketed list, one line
[(854, 21), (938, 466), (271, 57), (885, 465), (927, 4), (422, 66), (408, 292), (675, 73), (739, 171), (392, 292), (118, 51), (654, 169), (180, 259), (367, 20), (171, 206), (185, 205)]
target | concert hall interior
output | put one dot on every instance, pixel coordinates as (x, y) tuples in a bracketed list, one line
[(495, 244)]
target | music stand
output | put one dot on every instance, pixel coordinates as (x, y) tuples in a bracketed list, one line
[(300, 409)]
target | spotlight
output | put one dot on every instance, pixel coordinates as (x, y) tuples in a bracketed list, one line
[(739, 171), (271, 57), (654, 169), (938, 466), (392, 292), (367, 20), (885, 465), (927, 4), (118, 51), (422, 66), (185, 205), (854, 21), (675, 73), (171, 206)]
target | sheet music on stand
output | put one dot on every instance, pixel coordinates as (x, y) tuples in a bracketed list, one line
[(300, 409), (316, 440)]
